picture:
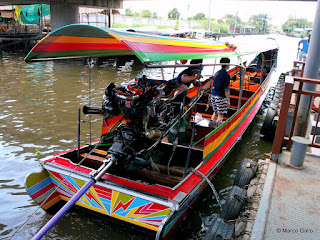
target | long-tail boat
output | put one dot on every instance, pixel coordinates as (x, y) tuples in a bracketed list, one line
[(149, 180)]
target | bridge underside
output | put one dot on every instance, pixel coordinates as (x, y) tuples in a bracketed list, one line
[(88, 3), (65, 12)]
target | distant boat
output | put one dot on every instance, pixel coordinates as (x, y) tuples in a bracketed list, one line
[(151, 181)]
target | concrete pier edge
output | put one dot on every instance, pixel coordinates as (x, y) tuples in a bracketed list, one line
[(264, 205)]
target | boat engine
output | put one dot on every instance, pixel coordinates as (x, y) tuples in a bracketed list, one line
[(148, 108)]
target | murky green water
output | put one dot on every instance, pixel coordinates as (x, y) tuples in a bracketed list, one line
[(39, 105)]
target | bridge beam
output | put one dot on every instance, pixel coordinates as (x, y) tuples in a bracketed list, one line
[(88, 3), (63, 14)]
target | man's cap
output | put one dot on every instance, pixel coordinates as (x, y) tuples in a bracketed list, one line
[(196, 61), (224, 60)]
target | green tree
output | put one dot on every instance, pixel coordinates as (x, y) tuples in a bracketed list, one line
[(199, 16), (146, 14), (155, 15), (294, 22), (136, 14), (233, 20), (229, 18), (220, 21), (261, 22), (174, 14), (128, 12)]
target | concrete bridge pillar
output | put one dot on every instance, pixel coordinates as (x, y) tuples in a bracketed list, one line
[(63, 14)]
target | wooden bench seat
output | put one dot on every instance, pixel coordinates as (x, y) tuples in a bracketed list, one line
[(237, 97), (93, 157), (173, 171)]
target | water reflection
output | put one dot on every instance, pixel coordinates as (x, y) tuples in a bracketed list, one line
[(39, 109)]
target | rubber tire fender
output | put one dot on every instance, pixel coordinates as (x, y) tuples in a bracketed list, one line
[(275, 105), (219, 229), (234, 203), (246, 172), (267, 125)]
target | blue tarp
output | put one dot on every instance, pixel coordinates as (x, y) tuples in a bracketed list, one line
[(31, 14)]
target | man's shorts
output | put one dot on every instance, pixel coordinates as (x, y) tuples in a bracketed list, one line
[(219, 104)]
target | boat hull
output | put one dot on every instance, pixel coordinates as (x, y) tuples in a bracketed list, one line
[(160, 211), (136, 208)]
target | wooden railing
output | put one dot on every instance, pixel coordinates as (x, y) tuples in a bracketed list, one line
[(298, 68), (291, 99), (19, 29)]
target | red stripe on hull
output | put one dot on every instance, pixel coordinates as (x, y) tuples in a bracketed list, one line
[(174, 227), (193, 180), (103, 192), (77, 47), (53, 196), (42, 191)]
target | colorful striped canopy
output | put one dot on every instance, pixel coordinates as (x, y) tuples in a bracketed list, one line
[(77, 41), (153, 48)]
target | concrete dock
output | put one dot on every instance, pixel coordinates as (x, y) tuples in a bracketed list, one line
[(290, 204)]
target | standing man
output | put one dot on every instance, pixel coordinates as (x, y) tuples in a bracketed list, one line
[(220, 95), (304, 50)]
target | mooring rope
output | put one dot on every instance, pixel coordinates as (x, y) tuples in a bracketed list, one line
[(211, 185)]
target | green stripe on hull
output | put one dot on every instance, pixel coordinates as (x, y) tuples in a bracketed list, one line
[(231, 118), (226, 139), (164, 56)]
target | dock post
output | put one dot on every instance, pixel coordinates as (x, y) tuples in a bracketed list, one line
[(298, 151), (311, 71)]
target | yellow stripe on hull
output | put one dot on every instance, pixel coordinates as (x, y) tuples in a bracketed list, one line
[(51, 203), (167, 42), (216, 142)]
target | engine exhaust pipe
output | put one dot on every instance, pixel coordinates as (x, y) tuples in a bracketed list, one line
[(92, 110), (151, 134)]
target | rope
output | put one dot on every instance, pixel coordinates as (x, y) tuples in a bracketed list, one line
[(5, 30), (100, 145), (153, 165), (90, 64), (198, 141), (176, 139), (251, 185), (210, 184)]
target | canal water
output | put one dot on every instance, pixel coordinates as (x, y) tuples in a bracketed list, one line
[(38, 117)]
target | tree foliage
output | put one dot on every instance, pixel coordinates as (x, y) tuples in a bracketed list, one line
[(199, 16), (146, 14), (174, 14), (261, 22), (155, 15), (233, 20), (128, 12), (294, 22)]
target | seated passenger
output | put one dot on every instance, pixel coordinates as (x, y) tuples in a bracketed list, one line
[(187, 77), (190, 75)]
